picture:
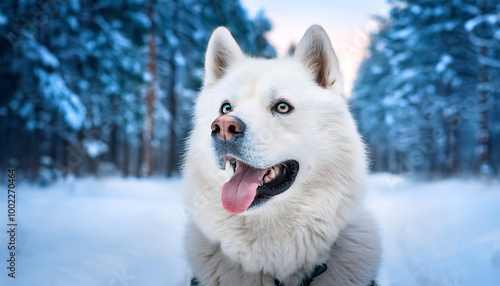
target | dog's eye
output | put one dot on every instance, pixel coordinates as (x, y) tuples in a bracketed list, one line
[(225, 108), (283, 107)]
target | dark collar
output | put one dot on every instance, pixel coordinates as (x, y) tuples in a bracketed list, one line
[(318, 270), (305, 282)]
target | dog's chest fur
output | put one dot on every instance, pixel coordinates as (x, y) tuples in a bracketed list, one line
[(279, 244)]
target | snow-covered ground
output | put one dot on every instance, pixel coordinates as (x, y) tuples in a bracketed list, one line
[(121, 232), (440, 233), (94, 232)]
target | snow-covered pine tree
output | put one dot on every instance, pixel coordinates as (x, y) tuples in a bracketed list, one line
[(369, 92), (484, 31), (113, 81), (415, 94), (41, 105)]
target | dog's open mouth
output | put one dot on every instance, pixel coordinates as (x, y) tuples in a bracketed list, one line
[(250, 187)]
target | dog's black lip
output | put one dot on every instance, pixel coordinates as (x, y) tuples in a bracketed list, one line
[(279, 185)]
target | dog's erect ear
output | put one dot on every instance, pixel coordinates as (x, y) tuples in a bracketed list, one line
[(316, 53), (222, 51)]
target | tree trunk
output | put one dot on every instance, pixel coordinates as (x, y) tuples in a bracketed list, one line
[(172, 151), (126, 157), (483, 134), (139, 155), (113, 145), (147, 163), (452, 148)]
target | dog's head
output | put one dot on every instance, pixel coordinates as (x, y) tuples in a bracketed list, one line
[(272, 123)]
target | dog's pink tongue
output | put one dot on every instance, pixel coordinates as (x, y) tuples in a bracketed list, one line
[(239, 192)]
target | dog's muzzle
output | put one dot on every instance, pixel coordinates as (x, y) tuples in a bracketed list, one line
[(228, 133), (251, 185)]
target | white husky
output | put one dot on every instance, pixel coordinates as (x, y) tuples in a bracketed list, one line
[(274, 172)]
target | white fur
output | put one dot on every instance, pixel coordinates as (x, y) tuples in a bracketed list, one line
[(293, 232)]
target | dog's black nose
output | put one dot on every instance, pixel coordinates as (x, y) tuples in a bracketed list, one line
[(226, 127)]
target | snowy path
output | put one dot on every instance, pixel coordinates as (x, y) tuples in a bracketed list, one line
[(123, 232), (99, 232), (441, 233)]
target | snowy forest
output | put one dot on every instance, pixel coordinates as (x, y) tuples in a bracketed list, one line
[(100, 87), (427, 95), (107, 87)]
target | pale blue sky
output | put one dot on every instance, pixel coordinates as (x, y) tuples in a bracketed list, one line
[(347, 23)]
